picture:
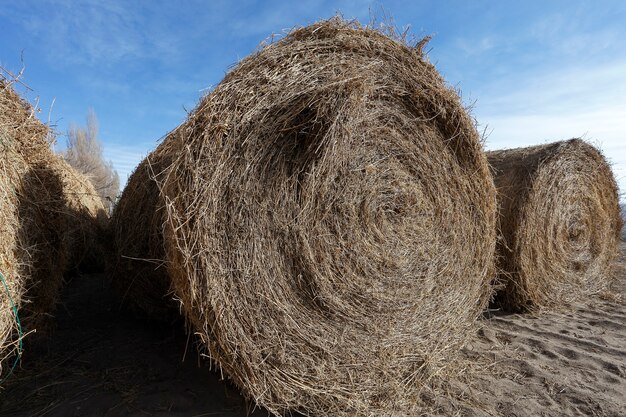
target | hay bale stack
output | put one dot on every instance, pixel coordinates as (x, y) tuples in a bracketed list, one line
[(137, 260), (559, 223), (329, 222), (35, 221)]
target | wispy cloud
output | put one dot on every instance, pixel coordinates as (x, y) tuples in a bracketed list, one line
[(583, 102), (91, 32), (574, 32), (125, 158), (472, 47), (536, 73), (559, 90)]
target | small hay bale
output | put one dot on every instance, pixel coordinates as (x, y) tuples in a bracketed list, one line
[(559, 223), (330, 223), (87, 219)]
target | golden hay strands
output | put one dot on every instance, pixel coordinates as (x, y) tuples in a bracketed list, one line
[(34, 254), (34, 221), (33, 257), (559, 222), (137, 260), (330, 223), (87, 218), (10, 162)]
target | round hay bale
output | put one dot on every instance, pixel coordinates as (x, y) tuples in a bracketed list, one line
[(330, 223), (559, 223), (37, 218), (87, 219), (10, 267), (33, 255), (137, 261)]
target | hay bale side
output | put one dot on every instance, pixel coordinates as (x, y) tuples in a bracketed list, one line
[(330, 223), (87, 219), (137, 260), (33, 256), (559, 223), (37, 221), (10, 267), (20, 129)]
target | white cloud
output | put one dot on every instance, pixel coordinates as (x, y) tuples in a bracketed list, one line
[(471, 47), (557, 90), (125, 158), (588, 102), (93, 32), (572, 33)]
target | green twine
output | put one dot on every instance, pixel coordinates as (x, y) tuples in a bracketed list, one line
[(20, 347)]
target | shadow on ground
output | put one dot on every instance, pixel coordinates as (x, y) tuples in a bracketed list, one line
[(100, 361)]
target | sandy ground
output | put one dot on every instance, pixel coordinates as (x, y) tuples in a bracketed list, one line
[(569, 364), (101, 361)]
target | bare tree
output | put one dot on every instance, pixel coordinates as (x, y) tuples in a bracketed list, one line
[(84, 153)]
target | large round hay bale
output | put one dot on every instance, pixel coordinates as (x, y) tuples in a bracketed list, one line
[(136, 262), (559, 223), (13, 287), (38, 217), (33, 255), (330, 223)]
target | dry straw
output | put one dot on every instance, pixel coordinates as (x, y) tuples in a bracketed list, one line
[(328, 222), (136, 261), (10, 267), (39, 215), (559, 222), (30, 251), (87, 219)]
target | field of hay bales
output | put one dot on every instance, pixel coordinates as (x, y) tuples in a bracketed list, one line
[(324, 235)]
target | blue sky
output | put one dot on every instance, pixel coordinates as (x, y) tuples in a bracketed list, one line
[(534, 71)]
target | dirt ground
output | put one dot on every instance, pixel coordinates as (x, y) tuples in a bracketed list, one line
[(570, 363), (556, 364), (101, 361)]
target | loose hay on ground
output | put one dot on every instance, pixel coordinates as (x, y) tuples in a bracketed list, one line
[(559, 223), (330, 223)]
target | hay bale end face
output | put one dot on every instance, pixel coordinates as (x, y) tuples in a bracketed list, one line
[(330, 222), (559, 223)]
